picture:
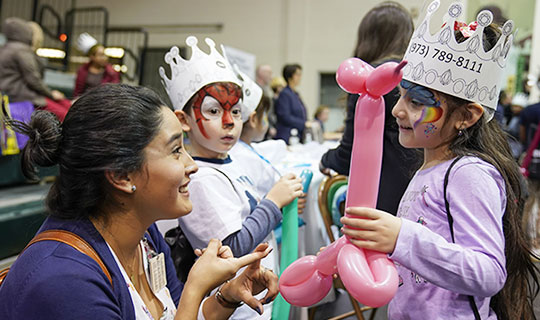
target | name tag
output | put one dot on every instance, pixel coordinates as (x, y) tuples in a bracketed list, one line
[(158, 275)]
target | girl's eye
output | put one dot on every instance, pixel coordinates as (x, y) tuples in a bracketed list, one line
[(416, 103)]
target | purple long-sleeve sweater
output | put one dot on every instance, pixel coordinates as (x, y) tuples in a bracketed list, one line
[(437, 275)]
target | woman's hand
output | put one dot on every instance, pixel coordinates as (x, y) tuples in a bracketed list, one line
[(253, 280), (216, 264), (373, 229), (288, 188), (324, 170)]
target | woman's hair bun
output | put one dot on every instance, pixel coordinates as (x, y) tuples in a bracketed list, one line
[(44, 133)]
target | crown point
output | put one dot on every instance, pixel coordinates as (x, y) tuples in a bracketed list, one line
[(455, 10), (210, 43), (484, 18), (508, 27), (168, 58), (191, 41), (433, 7)]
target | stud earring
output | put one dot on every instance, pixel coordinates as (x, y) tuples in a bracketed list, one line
[(133, 188), (460, 133)]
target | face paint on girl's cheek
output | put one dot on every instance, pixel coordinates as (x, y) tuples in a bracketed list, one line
[(429, 115), (430, 129)]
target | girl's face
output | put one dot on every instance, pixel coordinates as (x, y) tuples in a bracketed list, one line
[(99, 58), (420, 114), (216, 119), (162, 183)]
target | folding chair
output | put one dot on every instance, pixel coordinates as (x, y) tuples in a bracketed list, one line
[(327, 190)]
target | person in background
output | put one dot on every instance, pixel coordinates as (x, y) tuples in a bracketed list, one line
[(21, 75), (263, 77), (289, 108), (111, 197), (321, 116), (383, 35), (97, 70)]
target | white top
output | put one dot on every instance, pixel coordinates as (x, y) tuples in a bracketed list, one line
[(255, 166), (221, 202), (141, 311)]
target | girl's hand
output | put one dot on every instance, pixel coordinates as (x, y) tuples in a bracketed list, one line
[(253, 280), (217, 264), (377, 230), (288, 188)]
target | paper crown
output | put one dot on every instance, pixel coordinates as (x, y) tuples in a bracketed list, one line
[(190, 76), (251, 91), (85, 42), (465, 69)]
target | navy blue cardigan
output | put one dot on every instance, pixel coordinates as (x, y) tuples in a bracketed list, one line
[(52, 280), (290, 113)]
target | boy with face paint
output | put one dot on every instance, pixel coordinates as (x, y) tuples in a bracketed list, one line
[(225, 203)]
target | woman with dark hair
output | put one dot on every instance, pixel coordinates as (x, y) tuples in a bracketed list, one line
[(122, 167), (383, 35), (289, 108)]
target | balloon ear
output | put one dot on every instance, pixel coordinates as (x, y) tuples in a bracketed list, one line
[(351, 75)]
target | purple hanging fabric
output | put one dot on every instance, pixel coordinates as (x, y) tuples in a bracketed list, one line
[(21, 111)]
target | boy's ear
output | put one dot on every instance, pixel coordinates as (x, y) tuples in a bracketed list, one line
[(473, 113), (119, 181), (183, 118)]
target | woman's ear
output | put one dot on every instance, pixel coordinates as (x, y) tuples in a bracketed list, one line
[(472, 114), (183, 118), (120, 181)]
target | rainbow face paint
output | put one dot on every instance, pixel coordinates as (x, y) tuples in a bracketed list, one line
[(421, 95)]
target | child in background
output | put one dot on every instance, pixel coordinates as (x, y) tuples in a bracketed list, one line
[(457, 241), (207, 97)]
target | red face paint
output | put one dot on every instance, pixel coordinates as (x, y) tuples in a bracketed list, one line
[(226, 93)]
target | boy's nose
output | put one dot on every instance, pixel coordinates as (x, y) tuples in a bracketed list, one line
[(227, 119)]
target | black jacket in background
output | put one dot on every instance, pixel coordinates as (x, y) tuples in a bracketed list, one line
[(398, 163)]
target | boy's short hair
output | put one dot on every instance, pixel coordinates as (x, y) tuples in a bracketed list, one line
[(264, 106)]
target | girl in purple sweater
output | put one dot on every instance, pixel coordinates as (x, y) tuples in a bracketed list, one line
[(457, 240)]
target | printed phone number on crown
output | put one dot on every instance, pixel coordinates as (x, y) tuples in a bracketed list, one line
[(446, 57)]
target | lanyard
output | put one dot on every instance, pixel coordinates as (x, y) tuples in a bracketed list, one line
[(260, 156)]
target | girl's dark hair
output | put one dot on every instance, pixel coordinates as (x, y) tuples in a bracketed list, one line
[(384, 33), (487, 141), (264, 106), (106, 129), (289, 70)]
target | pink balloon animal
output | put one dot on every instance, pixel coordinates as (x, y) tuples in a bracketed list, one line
[(369, 276)]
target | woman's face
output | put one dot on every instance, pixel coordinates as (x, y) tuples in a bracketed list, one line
[(162, 183), (296, 78)]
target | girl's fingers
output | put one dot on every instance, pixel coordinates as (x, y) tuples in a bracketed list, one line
[(359, 223), (363, 212), (361, 234)]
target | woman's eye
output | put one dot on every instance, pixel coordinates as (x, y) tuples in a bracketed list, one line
[(177, 150)]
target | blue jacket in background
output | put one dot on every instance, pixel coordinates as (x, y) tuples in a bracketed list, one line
[(54, 281), (290, 113)]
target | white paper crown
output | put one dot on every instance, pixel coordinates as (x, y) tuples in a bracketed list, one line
[(85, 42), (190, 76), (465, 69)]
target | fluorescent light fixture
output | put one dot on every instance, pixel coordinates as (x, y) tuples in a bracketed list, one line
[(51, 53), (114, 52)]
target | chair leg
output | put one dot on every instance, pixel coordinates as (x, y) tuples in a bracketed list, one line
[(311, 313), (373, 312), (357, 308)]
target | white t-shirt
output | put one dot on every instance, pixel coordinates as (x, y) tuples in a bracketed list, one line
[(222, 200), (263, 174)]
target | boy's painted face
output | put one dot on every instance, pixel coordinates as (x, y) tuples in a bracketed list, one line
[(218, 117), (419, 114)]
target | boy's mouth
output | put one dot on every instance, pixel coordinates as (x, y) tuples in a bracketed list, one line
[(227, 138)]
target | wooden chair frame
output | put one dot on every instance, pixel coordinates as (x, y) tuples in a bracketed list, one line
[(326, 215)]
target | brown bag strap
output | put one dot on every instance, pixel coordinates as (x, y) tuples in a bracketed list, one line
[(70, 239)]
